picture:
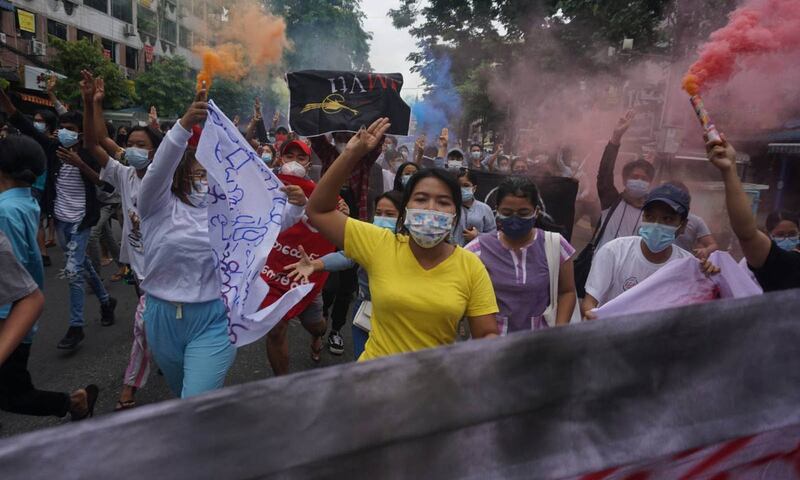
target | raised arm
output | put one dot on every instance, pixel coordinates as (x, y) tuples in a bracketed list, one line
[(108, 144), (419, 149), (321, 208), (155, 190), (21, 122), (606, 190), (51, 93), (87, 85), (755, 244)]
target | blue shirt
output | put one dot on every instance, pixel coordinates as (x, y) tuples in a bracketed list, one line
[(19, 220)]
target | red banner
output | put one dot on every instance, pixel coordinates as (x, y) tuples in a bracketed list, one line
[(148, 54), (286, 251)]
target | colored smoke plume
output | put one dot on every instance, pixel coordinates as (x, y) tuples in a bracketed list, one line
[(249, 39), (757, 28), (441, 105)]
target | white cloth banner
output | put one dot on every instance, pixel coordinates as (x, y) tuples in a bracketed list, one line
[(681, 282), (245, 211)]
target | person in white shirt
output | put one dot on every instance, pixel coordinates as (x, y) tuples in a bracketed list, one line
[(623, 263), (185, 318), (141, 144)]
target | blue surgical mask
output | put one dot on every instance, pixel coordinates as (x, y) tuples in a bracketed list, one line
[(475, 155), (137, 158), (516, 227), (67, 138), (467, 194), (385, 222), (787, 243), (40, 127), (404, 179), (637, 188), (267, 158), (656, 236)]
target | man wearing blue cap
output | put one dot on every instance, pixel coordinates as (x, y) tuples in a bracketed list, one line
[(623, 263)]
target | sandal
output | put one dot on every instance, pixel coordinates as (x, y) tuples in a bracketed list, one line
[(119, 275), (315, 352), (92, 392), (124, 405)]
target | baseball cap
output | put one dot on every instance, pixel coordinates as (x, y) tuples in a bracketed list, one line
[(296, 143), (672, 195)]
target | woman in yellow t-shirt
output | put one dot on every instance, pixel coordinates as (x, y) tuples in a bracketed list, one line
[(421, 286)]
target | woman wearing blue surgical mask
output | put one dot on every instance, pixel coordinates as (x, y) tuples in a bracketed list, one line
[(783, 230), (476, 216), (517, 260), (403, 175), (267, 154), (420, 285), (387, 209)]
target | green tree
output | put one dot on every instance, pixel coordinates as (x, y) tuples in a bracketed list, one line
[(327, 34), (72, 57), (167, 85)]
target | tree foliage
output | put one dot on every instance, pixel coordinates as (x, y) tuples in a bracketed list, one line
[(72, 57), (326, 34), (167, 85), (489, 38)]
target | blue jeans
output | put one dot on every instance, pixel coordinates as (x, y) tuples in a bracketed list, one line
[(73, 243), (190, 343)]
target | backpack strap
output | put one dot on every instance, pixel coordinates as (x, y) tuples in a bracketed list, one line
[(598, 234)]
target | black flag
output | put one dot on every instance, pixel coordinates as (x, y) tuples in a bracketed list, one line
[(327, 101)]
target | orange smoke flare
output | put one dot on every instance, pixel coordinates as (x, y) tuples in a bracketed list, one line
[(249, 39)]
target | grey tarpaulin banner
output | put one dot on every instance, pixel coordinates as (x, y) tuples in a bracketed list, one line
[(552, 404)]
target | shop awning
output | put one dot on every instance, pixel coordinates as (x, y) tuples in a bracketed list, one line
[(785, 148)]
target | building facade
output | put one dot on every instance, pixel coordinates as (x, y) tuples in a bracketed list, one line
[(133, 33)]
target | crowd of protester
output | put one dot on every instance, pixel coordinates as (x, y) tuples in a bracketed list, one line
[(414, 259)]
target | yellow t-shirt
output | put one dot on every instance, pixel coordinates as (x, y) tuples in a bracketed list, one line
[(414, 308)]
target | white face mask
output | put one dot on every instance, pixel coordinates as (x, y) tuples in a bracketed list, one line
[(199, 195), (293, 168)]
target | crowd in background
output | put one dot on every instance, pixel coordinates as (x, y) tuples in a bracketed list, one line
[(410, 258)]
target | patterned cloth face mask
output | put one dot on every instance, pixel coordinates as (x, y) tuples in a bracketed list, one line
[(428, 228)]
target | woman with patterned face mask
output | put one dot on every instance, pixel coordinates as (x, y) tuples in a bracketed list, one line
[(517, 260), (421, 286)]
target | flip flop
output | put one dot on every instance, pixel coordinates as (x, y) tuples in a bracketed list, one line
[(124, 405), (92, 392)]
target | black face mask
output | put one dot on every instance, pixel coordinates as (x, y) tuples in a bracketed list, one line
[(122, 140)]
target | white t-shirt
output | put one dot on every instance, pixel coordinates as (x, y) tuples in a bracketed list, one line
[(695, 228), (625, 222), (620, 265), (125, 181)]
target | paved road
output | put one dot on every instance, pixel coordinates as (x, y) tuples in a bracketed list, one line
[(103, 355)]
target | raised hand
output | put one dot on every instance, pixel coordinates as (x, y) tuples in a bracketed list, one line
[(99, 90), (152, 115), (721, 154), (623, 124), (52, 80), (367, 139), (197, 111), (300, 271), (443, 138), (87, 85)]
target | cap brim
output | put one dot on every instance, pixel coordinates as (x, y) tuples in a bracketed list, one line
[(680, 209)]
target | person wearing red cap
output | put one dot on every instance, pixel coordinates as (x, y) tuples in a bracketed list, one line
[(295, 159)]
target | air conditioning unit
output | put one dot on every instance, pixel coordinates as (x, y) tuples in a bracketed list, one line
[(37, 48), (128, 30)]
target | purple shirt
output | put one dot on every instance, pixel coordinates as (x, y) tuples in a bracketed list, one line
[(520, 278)]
